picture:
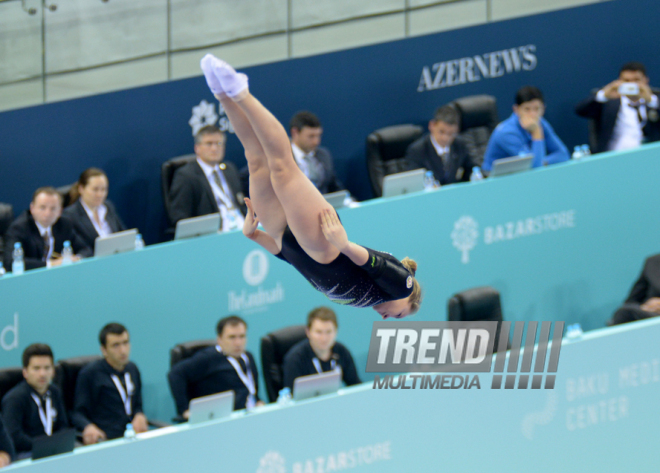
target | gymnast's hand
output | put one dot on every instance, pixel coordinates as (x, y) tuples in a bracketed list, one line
[(333, 230), (251, 220)]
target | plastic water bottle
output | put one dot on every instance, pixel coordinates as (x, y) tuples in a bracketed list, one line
[(18, 266), (476, 175), (139, 242), (2, 270), (284, 396), (586, 151), (67, 254), (129, 433), (429, 181), (574, 331), (577, 153)]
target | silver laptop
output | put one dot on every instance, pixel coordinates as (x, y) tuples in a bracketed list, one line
[(316, 385), (197, 226), (336, 199), (215, 406), (403, 183), (115, 243), (511, 165)]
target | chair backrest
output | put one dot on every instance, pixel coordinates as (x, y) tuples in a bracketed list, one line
[(186, 350), (65, 192), (6, 217), (386, 152), (9, 377), (66, 375), (479, 303), (273, 348), (478, 120), (167, 171)]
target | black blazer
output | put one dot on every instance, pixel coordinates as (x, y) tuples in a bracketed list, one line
[(648, 284), (191, 194), (422, 154), (330, 183), (84, 227), (24, 229), (604, 116)]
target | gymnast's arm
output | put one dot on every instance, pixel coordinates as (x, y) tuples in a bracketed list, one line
[(251, 231)]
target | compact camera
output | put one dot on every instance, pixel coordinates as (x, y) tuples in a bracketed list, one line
[(629, 88)]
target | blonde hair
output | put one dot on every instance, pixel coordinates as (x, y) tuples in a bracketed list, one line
[(415, 299)]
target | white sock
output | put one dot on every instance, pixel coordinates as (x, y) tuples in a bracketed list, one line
[(233, 83), (212, 81)]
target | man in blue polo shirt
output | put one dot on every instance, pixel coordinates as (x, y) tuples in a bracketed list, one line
[(526, 132)]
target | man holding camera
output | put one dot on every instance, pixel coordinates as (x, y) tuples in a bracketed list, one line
[(625, 111)]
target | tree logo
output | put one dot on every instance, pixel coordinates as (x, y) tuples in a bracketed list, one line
[(202, 115), (271, 462), (465, 235)]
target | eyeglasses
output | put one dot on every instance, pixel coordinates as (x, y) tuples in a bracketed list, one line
[(213, 143)]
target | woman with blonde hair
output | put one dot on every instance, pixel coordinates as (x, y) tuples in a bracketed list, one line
[(301, 228)]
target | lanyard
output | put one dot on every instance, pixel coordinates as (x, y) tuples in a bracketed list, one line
[(319, 368), (222, 185), (47, 416), (126, 395), (246, 378)]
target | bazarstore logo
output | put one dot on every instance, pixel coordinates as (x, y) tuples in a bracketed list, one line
[(464, 236), (255, 267), (272, 462), (202, 115)]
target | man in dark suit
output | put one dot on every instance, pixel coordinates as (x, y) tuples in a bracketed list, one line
[(643, 301), (314, 160), (440, 151), (208, 185), (624, 120), (42, 232)]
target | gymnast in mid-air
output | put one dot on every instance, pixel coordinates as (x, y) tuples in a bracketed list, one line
[(300, 226)]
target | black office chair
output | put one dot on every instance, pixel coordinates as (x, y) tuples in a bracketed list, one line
[(478, 120), (6, 217), (386, 152), (167, 171), (479, 303), (9, 377), (66, 375), (185, 350), (65, 192), (273, 348)]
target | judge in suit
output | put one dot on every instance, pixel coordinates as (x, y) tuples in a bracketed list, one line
[(91, 213), (208, 185), (42, 232), (623, 121), (643, 301), (314, 160), (440, 151)]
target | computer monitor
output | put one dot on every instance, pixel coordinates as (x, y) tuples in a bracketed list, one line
[(403, 183), (115, 243), (62, 441), (215, 406), (197, 226), (316, 385), (336, 199), (502, 167)]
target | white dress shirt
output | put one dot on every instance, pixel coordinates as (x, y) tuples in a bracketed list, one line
[(443, 151), (232, 218), (103, 229), (627, 131)]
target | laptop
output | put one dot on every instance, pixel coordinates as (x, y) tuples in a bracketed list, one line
[(336, 199), (60, 442), (316, 385), (403, 183), (115, 243), (215, 406), (511, 165), (197, 226)]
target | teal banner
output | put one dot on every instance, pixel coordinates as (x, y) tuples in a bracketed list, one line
[(561, 243)]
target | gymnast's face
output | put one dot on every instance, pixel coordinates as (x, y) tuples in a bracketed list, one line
[(396, 309)]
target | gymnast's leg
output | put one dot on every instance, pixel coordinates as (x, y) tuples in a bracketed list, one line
[(301, 200), (264, 201)]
